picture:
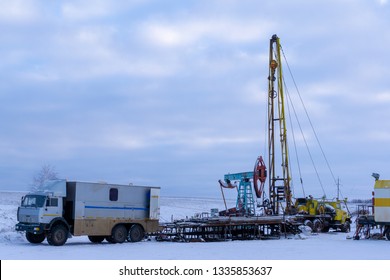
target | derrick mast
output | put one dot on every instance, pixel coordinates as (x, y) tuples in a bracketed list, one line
[(279, 178)]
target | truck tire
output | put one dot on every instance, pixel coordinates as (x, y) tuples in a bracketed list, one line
[(119, 234), (136, 233), (35, 238), (309, 224), (96, 239), (57, 235), (317, 225)]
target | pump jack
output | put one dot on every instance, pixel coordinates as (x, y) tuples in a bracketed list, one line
[(245, 204)]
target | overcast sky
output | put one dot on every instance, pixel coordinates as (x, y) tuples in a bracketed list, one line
[(173, 93)]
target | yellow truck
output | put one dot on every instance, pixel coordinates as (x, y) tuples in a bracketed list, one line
[(321, 214), (376, 215)]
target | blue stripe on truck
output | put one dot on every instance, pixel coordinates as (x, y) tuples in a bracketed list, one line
[(116, 208)]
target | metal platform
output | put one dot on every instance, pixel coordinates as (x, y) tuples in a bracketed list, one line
[(226, 228)]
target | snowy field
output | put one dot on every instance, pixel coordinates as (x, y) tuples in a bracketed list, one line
[(324, 246)]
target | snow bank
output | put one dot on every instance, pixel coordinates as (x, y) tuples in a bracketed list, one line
[(9, 202)]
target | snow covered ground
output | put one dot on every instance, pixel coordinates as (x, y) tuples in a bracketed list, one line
[(324, 246)]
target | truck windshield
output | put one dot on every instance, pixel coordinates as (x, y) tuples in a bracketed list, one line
[(34, 200)]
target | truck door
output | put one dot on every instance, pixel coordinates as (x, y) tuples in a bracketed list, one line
[(52, 209), (154, 204)]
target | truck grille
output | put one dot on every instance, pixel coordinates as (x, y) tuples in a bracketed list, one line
[(28, 219), (26, 215)]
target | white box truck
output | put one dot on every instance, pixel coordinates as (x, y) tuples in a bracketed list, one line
[(101, 211)]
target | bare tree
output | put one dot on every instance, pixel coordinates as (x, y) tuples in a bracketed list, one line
[(47, 172)]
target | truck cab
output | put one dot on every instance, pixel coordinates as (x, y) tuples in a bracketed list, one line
[(40, 208), (322, 214), (37, 213)]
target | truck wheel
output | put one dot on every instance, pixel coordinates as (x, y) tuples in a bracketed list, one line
[(136, 233), (119, 234), (96, 239), (309, 224), (57, 235), (35, 238), (317, 225)]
